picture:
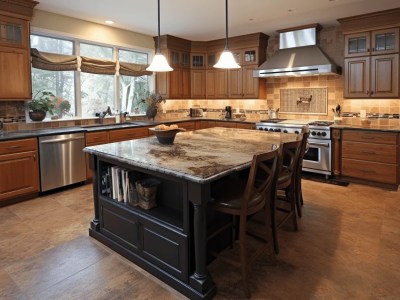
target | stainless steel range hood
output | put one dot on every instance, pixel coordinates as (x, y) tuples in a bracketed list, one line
[(298, 55)]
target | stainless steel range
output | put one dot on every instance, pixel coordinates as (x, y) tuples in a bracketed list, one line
[(318, 157)]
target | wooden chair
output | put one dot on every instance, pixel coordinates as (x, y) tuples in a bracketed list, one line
[(287, 171), (298, 190), (242, 199)]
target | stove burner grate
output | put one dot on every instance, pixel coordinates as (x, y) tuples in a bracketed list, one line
[(272, 120), (321, 123)]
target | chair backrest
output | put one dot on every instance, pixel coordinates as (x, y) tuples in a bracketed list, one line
[(262, 177), (288, 156), (306, 133)]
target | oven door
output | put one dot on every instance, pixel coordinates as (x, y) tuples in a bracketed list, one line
[(318, 157)]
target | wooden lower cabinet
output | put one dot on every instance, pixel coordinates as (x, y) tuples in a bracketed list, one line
[(19, 169), (189, 126), (371, 171), (370, 155), (128, 134)]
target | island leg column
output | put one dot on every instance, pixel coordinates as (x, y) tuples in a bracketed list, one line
[(94, 225), (200, 279)]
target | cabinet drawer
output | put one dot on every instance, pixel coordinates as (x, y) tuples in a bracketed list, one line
[(120, 224), (370, 152), (370, 136), (187, 125), (245, 126), (373, 171), (15, 146), (225, 124), (166, 248), (128, 134), (95, 138)]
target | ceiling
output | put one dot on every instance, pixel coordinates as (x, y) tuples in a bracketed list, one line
[(202, 20)]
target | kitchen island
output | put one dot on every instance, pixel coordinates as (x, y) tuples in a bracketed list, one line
[(170, 240)]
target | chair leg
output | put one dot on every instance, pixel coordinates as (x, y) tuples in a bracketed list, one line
[(243, 258), (268, 226), (292, 199), (273, 223)]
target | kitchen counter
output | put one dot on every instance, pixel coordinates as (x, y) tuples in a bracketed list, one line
[(198, 156), (178, 223), (12, 135), (391, 128)]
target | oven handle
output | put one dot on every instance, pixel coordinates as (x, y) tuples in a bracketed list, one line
[(319, 144)]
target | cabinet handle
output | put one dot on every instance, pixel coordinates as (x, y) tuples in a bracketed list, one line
[(96, 137), (34, 156), (367, 137), (367, 49), (373, 49), (367, 93), (371, 93), (13, 147)]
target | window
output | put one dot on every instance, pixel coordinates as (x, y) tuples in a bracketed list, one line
[(60, 83), (91, 93), (132, 89)]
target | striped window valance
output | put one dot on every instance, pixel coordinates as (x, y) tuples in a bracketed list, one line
[(53, 62), (62, 62)]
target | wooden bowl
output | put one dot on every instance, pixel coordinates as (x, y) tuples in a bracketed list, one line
[(166, 137)]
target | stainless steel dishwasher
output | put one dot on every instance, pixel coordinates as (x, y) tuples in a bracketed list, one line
[(62, 161)]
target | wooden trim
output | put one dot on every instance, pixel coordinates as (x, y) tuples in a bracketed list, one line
[(23, 8), (385, 18), (317, 26)]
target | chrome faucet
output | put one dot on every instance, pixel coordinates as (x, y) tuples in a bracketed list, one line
[(101, 115)]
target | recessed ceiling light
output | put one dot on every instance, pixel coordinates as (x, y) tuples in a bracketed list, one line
[(109, 22), (290, 10)]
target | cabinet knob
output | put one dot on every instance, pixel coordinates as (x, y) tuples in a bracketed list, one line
[(371, 93), (367, 93)]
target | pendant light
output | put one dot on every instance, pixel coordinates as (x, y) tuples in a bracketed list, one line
[(159, 63), (226, 60)]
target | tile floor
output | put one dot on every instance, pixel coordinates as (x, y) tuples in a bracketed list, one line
[(348, 247)]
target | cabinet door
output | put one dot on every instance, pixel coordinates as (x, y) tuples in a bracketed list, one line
[(13, 32), (250, 56), (185, 84), (385, 76), (385, 41), (250, 84), (15, 82), (198, 61), (217, 84), (357, 44), (175, 82), (235, 83), (198, 84), (356, 77), (19, 174)]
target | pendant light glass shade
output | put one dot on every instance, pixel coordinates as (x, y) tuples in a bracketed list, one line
[(226, 60), (159, 63)]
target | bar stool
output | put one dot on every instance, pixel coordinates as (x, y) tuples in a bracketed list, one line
[(242, 199), (298, 190), (287, 164)]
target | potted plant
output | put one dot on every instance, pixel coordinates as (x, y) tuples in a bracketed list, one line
[(41, 103), (61, 107), (152, 101)]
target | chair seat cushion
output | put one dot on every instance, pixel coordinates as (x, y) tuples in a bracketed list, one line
[(229, 194)]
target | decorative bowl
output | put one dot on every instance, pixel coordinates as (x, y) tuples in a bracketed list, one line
[(167, 136)]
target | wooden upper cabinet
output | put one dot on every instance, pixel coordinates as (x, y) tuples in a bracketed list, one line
[(204, 81), (372, 54), (374, 42), (385, 76), (14, 49), (357, 72)]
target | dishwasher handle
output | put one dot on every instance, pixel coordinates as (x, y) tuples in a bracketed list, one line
[(61, 140)]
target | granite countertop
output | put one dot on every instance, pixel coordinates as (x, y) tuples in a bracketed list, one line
[(200, 156), (12, 135), (391, 128)]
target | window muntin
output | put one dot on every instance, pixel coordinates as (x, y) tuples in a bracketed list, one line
[(95, 92)]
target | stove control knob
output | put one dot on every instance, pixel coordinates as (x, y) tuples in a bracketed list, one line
[(323, 134), (260, 128), (277, 130), (271, 129), (265, 129), (318, 133), (313, 133), (296, 132), (285, 131)]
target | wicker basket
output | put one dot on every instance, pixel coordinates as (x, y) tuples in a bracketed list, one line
[(147, 192)]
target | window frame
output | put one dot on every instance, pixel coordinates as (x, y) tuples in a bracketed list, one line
[(77, 79)]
